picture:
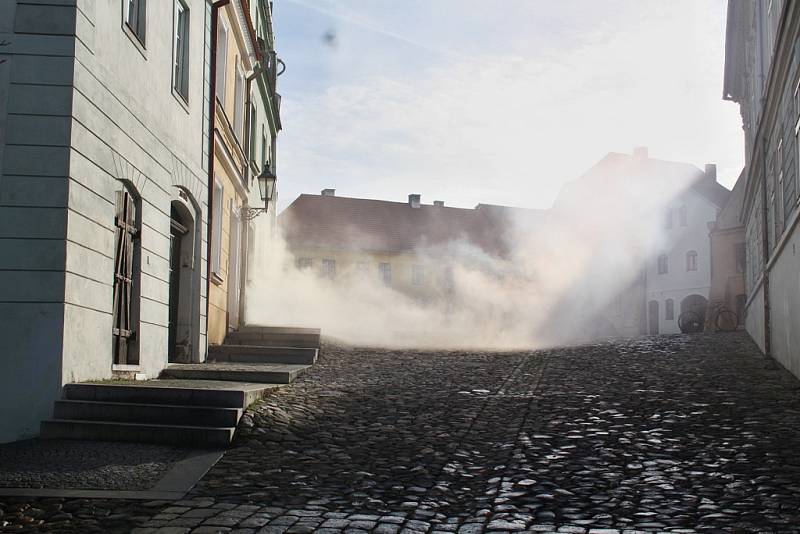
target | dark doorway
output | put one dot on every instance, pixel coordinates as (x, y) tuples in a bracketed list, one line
[(696, 304), (652, 316), (178, 231)]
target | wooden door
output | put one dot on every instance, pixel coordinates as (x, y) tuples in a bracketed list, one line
[(653, 318), (125, 235), (176, 235)]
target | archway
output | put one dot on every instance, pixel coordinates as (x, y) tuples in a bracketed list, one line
[(695, 303), (184, 285), (652, 316)]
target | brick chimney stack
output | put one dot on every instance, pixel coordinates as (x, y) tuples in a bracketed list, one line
[(640, 152), (328, 192), (414, 200)]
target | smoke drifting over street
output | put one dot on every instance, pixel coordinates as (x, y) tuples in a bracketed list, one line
[(563, 275)]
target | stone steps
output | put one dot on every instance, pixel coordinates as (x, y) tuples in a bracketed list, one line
[(260, 354), (188, 413), (125, 412), (235, 371), (275, 336), (180, 435)]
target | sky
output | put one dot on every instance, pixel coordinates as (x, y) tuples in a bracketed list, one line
[(500, 102)]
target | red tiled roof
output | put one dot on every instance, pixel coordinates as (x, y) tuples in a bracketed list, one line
[(317, 221)]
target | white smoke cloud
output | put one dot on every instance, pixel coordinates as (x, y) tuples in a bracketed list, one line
[(555, 285)]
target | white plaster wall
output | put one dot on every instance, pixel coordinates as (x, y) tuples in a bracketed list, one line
[(128, 124), (784, 285), (754, 317)]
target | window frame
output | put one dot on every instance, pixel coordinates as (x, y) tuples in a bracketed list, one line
[(303, 262), (221, 61), (662, 264), (238, 104), (138, 28), (385, 273), (217, 207), (180, 50), (328, 268), (691, 261)]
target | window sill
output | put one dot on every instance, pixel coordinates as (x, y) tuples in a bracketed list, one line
[(181, 100), (134, 39), (217, 279)]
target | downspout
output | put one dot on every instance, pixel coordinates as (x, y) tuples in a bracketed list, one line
[(211, 127), (765, 251)]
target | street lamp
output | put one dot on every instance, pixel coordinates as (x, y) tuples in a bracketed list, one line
[(266, 187)]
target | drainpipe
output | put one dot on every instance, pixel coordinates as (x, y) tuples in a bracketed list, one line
[(765, 251), (215, 7)]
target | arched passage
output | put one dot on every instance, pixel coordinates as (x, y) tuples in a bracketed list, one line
[(695, 303)]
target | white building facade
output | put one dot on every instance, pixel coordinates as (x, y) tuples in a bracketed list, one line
[(762, 75), (678, 272), (103, 195)]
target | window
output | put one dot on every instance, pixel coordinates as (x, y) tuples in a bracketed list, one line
[(385, 272), (264, 153), (238, 103), (691, 260), (181, 75), (329, 268), (216, 228), (682, 216), (740, 252), (304, 263), (418, 275), (136, 17), (668, 219), (222, 60), (253, 146), (669, 310), (663, 264)]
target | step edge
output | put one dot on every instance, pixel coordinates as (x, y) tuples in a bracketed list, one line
[(97, 422), (149, 405)]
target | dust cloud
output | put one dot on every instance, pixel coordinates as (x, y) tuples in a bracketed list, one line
[(568, 274)]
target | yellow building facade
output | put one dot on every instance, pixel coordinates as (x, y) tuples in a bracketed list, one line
[(245, 126)]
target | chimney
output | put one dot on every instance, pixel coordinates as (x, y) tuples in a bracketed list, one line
[(413, 200), (439, 203), (328, 192), (640, 152), (711, 172)]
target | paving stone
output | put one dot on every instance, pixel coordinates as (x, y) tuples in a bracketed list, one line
[(680, 434)]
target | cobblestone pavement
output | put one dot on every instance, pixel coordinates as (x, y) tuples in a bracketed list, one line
[(665, 434)]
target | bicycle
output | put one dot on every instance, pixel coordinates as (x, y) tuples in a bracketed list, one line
[(690, 322), (723, 319)]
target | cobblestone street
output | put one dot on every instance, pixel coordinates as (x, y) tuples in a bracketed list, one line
[(676, 434)]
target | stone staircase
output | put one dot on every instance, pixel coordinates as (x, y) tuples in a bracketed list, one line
[(192, 405)]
